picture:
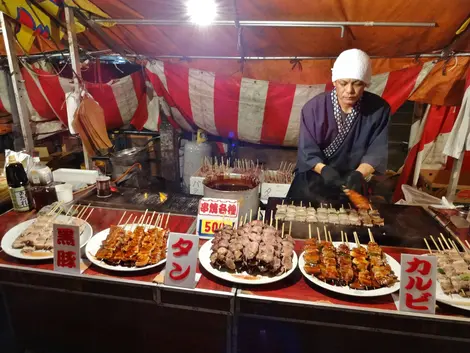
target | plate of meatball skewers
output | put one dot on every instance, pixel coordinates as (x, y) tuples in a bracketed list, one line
[(255, 253)]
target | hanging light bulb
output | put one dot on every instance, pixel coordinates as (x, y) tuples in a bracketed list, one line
[(202, 12)]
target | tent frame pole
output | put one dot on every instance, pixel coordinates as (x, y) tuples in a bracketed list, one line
[(454, 177), (257, 23), (19, 89), (75, 62)]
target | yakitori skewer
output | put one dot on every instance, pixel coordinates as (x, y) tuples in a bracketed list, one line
[(89, 214), (435, 244), (167, 220), (318, 234), (309, 231), (122, 217), (427, 245)]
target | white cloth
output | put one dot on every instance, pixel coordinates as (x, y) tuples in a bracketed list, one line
[(352, 64), (459, 136)]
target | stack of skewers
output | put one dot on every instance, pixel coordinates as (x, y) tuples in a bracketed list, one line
[(342, 216), (141, 243), (284, 175), (453, 272), (358, 268)]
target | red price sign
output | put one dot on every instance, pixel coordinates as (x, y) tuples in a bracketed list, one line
[(209, 226)]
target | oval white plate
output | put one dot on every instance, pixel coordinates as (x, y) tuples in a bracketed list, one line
[(13, 233), (355, 292), (454, 299), (94, 245), (204, 259)]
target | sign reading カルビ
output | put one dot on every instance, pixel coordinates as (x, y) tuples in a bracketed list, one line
[(215, 213), (418, 283), (66, 248)]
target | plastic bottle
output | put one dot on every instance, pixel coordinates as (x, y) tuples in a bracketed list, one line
[(19, 186), (40, 174)]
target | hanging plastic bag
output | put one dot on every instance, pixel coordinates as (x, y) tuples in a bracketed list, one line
[(72, 101)]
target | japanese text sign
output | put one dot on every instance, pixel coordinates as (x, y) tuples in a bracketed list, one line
[(214, 213), (181, 260), (418, 283), (66, 248)]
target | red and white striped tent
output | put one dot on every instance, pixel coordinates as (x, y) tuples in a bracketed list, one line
[(256, 111)]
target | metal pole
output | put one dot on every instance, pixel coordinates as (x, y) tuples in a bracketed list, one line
[(195, 57), (75, 62), (18, 84), (454, 177), (251, 23)]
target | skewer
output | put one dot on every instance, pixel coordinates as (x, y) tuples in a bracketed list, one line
[(259, 212), (89, 214), (346, 237), (309, 231), (290, 228), (83, 211), (371, 236), (463, 245), (329, 235), (251, 215), (160, 223), (167, 220), (440, 242), (435, 244), (127, 222), (342, 237), (157, 220), (246, 217), (271, 220), (122, 217), (454, 246), (134, 222), (326, 233), (356, 238), (151, 219), (276, 223), (427, 245), (318, 234), (58, 204), (370, 206), (300, 203), (282, 236), (468, 244), (445, 241)]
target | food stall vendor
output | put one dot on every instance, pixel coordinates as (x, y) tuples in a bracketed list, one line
[(343, 134)]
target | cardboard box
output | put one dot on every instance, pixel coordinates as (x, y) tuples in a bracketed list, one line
[(436, 182)]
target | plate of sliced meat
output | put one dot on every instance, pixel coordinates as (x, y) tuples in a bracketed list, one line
[(254, 254), (350, 268), (33, 239), (132, 247)]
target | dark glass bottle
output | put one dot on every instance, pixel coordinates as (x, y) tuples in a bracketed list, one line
[(19, 185)]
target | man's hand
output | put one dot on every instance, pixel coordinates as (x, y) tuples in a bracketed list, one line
[(330, 176), (355, 181)]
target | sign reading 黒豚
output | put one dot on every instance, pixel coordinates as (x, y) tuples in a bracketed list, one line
[(214, 213), (418, 283), (181, 262), (66, 248)]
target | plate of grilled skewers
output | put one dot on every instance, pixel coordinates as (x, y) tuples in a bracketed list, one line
[(138, 244), (33, 239), (349, 268), (453, 271), (254, 253)]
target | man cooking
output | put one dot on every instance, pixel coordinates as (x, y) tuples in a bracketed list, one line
[(343, 134)]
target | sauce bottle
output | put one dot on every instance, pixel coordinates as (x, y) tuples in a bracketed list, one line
[(19, 186)]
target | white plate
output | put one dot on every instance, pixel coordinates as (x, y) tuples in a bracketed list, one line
[(454, 300), (13, 233), (94, 245), (355, 292), (204, 259)]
